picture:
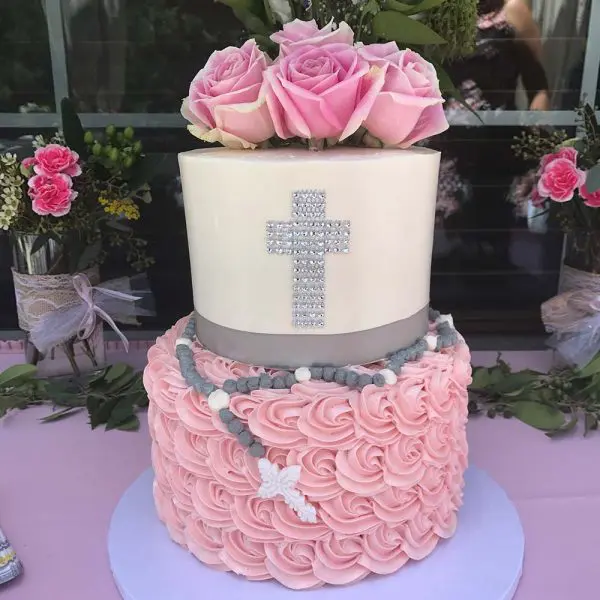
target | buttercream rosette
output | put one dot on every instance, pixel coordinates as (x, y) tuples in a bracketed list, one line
[(383, 467)]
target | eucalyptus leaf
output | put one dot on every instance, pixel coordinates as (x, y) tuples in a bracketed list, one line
[(17, 374), (538, 415), (592, 183), (395, 26), (72, 128), (481, 378), (144, 171)]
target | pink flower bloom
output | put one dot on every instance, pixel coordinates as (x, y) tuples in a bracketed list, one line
[(590, 198), (28, 163), (307, 33), (559, 179), (53, 158), (409, 106), (51, 194), (226, 101), (321, 92), (567, 153)]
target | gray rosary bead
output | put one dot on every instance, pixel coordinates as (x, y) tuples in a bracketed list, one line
[(226, 415), (208, 388), (379, 380), (235, 426), (230, 386), (257, 450), (245, 438), (352, 379), (439, 345), (364, 380), (395, 367), (434, 314), (242, 385), (265, 381), (340, 376), (290, 380), (316, 372), (279, 382), (328, 373), (253, 383)]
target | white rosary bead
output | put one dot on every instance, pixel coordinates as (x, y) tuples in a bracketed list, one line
[(390, 377), (218, 400), (184, 342), (302, 374)]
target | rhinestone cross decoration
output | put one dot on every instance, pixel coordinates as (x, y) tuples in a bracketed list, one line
[(308, 237)]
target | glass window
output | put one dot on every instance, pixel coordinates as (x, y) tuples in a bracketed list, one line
[(25, 68), (140, 55)]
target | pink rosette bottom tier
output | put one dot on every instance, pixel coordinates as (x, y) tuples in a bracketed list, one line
[(383, 467)]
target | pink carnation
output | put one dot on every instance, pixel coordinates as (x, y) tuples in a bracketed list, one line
[(559, 175), (591, 199), (51, 194), (53, 158)]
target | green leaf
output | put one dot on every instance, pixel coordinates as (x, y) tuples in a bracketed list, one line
[(122, 412), (132, 424), (515, 383), (269, 12), (39, 242), (481, 378), (264, 43), (251, 22), (592, 183), (61, 414), (447, 87), (400, 28), (103, 412), (116, 371), (17, 374), (592, 368), (72, 128), (538, 415)]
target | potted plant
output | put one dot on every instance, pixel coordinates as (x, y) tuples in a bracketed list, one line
[(63, 207)]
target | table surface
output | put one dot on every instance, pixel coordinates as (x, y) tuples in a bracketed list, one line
[(60, 483)]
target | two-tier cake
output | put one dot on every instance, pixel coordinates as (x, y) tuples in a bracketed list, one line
[(308, 420)]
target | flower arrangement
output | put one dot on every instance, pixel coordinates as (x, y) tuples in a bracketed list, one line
[(568, 174), (324, 86), (80, 190), (63, 206)]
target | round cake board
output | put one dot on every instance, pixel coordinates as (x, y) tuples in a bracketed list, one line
[(483, 561)]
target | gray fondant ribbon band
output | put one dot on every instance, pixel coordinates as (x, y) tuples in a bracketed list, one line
[(292, 351)]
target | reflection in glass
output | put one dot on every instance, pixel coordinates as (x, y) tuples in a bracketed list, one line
[(25, 68), (140, 55)]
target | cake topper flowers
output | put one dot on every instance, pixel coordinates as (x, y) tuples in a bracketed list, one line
[(321, 90)]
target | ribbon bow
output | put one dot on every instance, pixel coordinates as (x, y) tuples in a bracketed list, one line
[(78, 317), (86, 292)]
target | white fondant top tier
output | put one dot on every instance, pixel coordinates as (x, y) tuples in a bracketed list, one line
[(387, 195)]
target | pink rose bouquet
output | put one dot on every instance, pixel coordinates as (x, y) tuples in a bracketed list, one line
[(321, 89)]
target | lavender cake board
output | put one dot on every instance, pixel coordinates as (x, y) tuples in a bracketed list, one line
[(483, 561)]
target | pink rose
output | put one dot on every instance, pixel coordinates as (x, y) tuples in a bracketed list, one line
[(409, 107), (589, 198), (569, 153), (559, 179), (321, 92), (52, 159), (307, 33), (51, 194), (226, 102)]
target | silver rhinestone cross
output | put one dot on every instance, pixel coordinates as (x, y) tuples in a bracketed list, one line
[(308, 237)]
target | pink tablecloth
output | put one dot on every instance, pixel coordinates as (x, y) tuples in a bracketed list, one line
[(60, 482)]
